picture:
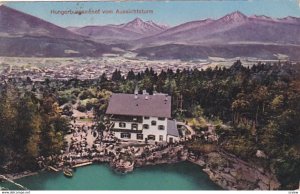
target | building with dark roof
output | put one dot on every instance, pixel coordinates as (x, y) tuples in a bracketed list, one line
[(142, 117), (140, 105)]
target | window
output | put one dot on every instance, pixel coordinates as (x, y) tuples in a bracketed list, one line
[(134, 119), (145, 126), (139, 136), (151, 137), (146, 118), (122, 125), (126, 135), (161, 118), (153, 122), (161, 127), (161, 138), (134, 126)]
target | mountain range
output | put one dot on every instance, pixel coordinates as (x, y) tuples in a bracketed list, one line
[(231, 29), (24, 35), (132, 30), (234, 35)]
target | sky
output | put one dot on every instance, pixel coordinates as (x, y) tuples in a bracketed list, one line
[(164, 12)]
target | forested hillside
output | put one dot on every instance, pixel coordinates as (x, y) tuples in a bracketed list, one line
[(260, 104), (30, 126)]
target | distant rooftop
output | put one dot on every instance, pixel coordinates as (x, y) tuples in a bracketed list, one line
[(140, 105)]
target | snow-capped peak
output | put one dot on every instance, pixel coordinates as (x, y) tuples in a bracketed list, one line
[(234, 17), (140, 26)]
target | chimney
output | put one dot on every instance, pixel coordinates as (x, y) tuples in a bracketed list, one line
[(136, 92)]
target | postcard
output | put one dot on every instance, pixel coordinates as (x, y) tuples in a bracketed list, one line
[(150, 95)]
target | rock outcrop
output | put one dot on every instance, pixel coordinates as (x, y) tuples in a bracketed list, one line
[(232, 173)]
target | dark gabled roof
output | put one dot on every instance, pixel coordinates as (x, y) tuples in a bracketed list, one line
[(172, 128), (140, 105)]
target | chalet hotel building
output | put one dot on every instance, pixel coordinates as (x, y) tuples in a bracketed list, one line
[(142, 117)]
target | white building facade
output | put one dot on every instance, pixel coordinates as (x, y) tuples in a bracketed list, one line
[(142, 117)]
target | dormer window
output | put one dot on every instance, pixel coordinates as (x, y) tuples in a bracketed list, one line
[(146, 118), (161, 118)]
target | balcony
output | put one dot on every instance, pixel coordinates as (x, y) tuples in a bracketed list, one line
[(122, 118), (126, 130)]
